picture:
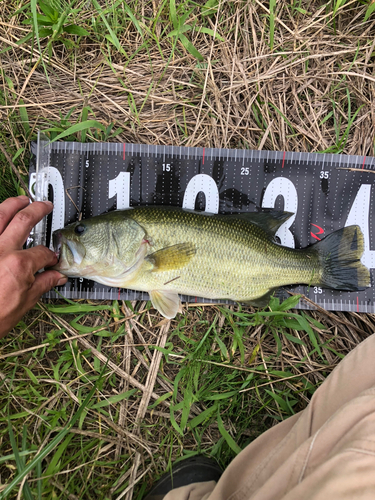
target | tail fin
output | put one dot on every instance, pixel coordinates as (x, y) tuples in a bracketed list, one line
[(339, 255)]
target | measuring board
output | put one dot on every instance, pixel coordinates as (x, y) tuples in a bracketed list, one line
[(321, 190)]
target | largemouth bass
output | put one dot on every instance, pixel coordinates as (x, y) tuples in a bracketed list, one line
[(166, 251)]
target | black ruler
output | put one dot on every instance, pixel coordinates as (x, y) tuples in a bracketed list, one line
[(324, 191)]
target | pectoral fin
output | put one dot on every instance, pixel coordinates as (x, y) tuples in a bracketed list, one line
[(173, 257), (167, 303)]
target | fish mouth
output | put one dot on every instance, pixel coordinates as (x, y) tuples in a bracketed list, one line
[(63, 252), (57, 242)]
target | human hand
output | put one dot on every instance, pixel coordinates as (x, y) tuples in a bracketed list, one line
[(20, 286)]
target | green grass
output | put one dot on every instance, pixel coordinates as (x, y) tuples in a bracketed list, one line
[(343, 119), (234, 387), (9, 184), (340, 4), (226, 373), (61, 22)]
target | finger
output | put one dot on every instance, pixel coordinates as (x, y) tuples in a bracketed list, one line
[(22, 223), (9, 208), (40, 257), (45, 281)]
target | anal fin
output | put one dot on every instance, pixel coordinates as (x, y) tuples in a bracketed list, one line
[(166, 302)]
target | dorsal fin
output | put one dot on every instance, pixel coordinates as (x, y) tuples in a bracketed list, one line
[(269, 221)]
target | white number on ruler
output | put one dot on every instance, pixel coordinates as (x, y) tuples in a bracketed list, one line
[(285, 188), (317, 289), (205, 184), (359, 215), (120, 186), (324, 174), (34, 232), (32, 183), (166, 167), (245, 170), (50, 176)]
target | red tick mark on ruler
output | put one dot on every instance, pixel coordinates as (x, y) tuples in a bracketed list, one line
[(282, 166), (363, 164), (119, 291), (315, 235), (123, 151), (203, 156)]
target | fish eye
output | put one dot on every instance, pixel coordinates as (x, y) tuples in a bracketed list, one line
[(80, 229)]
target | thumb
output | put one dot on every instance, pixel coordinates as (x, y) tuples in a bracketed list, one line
[(46, 280)]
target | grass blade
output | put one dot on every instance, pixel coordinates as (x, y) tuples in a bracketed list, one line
[(228, 438), (52, 445), (282, 403), (272, 22), (190, 48), (338, 4), (19, 462), (7, 458), (204, 415), (370, 10), (77, 308), (305, 325), (114, 38), (36, 31), (211, 32), (173, 14), (175, 425), (133, 18), (114, 399), (294, 339), (39, 482), (79, 127), (60, 450)]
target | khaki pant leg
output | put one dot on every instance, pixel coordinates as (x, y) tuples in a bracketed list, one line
[(286, 457)]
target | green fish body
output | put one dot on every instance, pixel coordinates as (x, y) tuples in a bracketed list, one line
[(168, 251)]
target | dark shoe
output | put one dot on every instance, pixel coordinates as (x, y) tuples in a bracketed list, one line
[(197, 469)]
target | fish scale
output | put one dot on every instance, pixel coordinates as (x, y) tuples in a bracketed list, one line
[(167, 251), (230, 260)]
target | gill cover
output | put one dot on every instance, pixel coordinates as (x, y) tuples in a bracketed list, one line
[(78, 251), (107, 245)]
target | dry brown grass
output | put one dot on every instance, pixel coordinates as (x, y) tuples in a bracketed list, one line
[(243, 95), (312, 64)]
